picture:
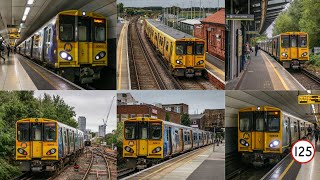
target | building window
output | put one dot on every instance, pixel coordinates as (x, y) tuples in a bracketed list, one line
[(133, 115), (222, 40), (178, 109), (146, 115)]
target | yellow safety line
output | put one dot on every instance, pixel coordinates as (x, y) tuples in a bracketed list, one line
[(277, 73), (219, 71), (286, 170), (120, 54), (175, 162), (50, 82)]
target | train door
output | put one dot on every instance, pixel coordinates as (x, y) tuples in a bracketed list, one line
[(46, 44), (36, 139), (170, 140), (190, 57), (142, 143), (31, 47), (294, 46), (191, 138), (299, 130), (181, 140), (290, 132), (258, 133), (84, 40)]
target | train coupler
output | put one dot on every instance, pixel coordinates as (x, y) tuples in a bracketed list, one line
[(141, 163)]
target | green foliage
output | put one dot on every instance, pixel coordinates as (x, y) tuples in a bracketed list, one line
[(185, 120), (314, 60), (118, 142), (167, 117), (19, 105), (302, 15)]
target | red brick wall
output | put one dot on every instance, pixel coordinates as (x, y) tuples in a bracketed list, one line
[(216, 46), (140, 110)]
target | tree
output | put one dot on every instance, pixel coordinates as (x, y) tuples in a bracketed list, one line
[(120, 8), (185, 120)]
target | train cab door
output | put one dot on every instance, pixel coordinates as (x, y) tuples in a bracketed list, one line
[(84, 40), (294, 47), (258, 133), (36, 139), (170, 140), (189, 54), (142, 143)]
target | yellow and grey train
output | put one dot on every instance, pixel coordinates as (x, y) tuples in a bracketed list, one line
[(149, 140), (73, 43), (265, 134), (45, 144), (291, 49), (184, 54)]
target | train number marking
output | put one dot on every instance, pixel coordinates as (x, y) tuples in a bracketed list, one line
[(303, 151)]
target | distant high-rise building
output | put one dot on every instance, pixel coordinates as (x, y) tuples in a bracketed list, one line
[(102, 130), (82, 123)]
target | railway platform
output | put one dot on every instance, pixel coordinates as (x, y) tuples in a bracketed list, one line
[(123, 74), (195, 164), (216, 71), (290, 169), (262, 72)]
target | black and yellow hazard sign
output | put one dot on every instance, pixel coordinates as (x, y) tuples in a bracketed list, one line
[(309, 99)]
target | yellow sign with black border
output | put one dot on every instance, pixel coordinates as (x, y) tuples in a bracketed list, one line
[(309, 99)]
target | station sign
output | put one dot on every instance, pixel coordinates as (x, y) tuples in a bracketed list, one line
[(252, 32), (309, 99), (241, 17)]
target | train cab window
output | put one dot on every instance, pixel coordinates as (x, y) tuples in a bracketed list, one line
[(36, 131), (189, 50), (156, 131), (302, 41), (23, 132), (245, 121), (99, 30), (130, 130), (199, 48), (143, 130), (273, 119), (83, 29), (66, 29), (180, 48), (285, 41), (293, 41), (259, 121), (49, 132)]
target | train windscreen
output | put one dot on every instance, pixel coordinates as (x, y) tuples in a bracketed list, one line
[(23, 130), (245, 121), (273, 119), (293, 41), (130, 130), (36, 131), (302, 41), (99, 30), (155, 131), (285, 41), (84, 30), (259, 121), (143, 130), (49, 132), (199, 48), (67, 28)]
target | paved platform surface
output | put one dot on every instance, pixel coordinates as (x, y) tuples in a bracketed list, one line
[(216, 66), (13, 76), (123, 73), (263, 72)]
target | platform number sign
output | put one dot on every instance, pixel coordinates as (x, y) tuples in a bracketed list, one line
[(302, 151)]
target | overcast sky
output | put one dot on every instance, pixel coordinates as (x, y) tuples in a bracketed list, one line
[(197, 100), (94, 105), (167, 3)]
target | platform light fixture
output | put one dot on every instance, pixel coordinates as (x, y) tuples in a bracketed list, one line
[(25, 14), (30, 2)]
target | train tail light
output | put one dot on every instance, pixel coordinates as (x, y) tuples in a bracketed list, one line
[(22, 151), (244, 142), (128, 149), (51, 151)]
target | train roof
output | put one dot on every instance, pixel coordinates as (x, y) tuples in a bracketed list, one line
[(176, 34)]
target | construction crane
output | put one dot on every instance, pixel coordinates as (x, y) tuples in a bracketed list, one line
[(107, 117)]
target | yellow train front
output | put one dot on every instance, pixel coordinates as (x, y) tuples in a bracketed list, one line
[(45, 144), (291, 49), (266, 133), (149, 141), (184, 54)]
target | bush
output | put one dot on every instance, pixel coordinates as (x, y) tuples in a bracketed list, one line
[(314, 60)]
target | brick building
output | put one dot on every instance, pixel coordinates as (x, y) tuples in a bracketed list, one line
[(197, 120), (212, 29), (146, 110), (213, 118), (180, 108)]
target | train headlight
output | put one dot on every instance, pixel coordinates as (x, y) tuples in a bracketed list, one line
[(200, 62), (22, 151), (128, 149), (101, 55), (274, 143), (304, 54), (157, 149), (244, 142), (178, 62), (51, 151), (284, 54), (66, 56)]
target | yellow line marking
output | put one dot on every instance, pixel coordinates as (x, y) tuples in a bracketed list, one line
[(120, 48), (277, 73), (44, 77), (176, 162), (216, 69), (286, 170)]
